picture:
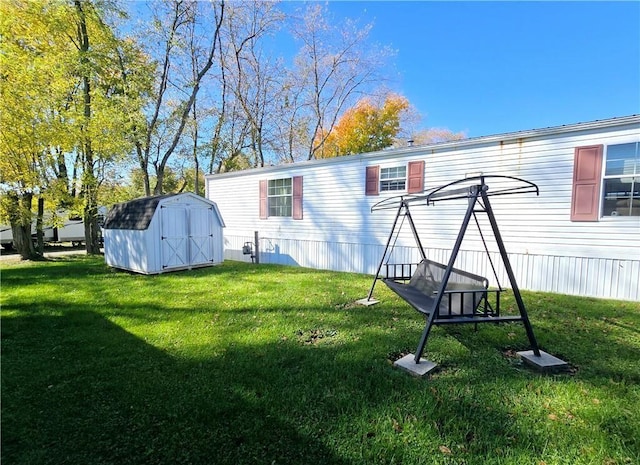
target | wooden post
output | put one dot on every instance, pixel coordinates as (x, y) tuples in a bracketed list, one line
[(256, 239)]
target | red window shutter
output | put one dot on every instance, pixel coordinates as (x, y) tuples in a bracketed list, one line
[(297, 198), (415, 179), (264, 207), (587, 170), (372, 181)]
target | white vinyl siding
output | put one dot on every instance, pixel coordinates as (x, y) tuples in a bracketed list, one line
[(548, 251)]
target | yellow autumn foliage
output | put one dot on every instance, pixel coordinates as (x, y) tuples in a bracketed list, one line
[(366, 127)]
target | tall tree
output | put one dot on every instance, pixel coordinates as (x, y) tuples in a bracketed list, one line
[(253, 76), (173, 98), (64, 116), (291, 139), (35, 88), (105, 106), (366, 127), (250, 108), (369, 126), (89, 181), (335, 66), (194, 125)]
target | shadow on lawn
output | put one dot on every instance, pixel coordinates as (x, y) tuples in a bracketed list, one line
[(82, 390), (77, 388)]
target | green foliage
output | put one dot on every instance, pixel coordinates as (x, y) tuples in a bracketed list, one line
[(71, 93), (244, 364), (84, 94), (34, 91), (175, 181)]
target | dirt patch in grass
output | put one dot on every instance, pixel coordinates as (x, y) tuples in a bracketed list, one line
[(314, 336)]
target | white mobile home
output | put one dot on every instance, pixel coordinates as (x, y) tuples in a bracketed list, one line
[(163, 233), (61, 227), (6, 235), (580, 236)]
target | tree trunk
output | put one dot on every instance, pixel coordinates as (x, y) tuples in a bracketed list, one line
[(144, 168), (160, 167), (62, 173), (91, 228), (159, 187), (40, 225), (196, 162), (196, 181), (89, 182), (20, 217)]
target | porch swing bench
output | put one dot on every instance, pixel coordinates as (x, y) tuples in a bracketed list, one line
[(447, 295), (465, 299)]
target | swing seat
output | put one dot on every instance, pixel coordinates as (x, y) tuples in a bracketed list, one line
[(462, 297)]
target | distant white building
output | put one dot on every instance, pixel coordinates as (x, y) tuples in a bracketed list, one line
[(580, 236), (64, 228)]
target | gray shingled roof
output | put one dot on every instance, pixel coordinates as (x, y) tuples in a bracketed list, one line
[(135, 214)]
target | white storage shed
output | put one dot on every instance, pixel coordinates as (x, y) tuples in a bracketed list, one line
[(162, 233)]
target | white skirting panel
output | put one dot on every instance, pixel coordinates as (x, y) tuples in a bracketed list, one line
[(589, 277)]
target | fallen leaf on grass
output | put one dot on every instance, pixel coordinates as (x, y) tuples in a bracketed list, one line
[(397, 426), (444, 449)]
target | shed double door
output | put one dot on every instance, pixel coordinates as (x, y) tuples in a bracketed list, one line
[(186, 236)]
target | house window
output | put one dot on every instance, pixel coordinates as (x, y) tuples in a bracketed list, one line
[(409, 177), (279, 197), (393, 179), (621, 181)]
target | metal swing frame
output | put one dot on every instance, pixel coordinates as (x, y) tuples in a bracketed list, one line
[(435, 300)]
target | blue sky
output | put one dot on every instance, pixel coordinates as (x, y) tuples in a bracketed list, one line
[(493, 67)]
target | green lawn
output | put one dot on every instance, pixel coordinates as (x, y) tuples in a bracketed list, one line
[(246, 364)]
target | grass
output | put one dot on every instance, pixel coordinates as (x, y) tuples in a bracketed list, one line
[(245, 364)]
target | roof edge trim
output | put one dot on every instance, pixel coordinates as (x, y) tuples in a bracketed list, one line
[(553, 130)]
